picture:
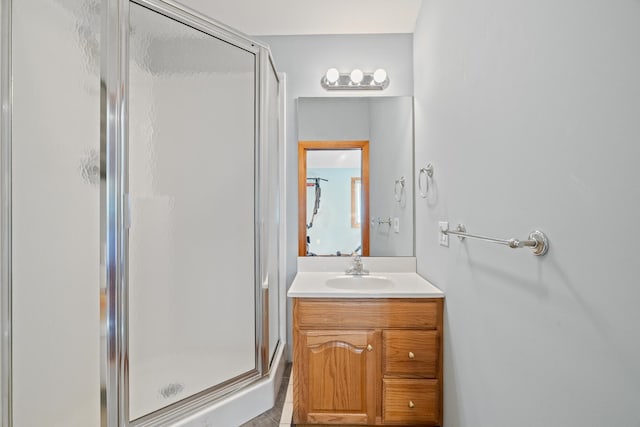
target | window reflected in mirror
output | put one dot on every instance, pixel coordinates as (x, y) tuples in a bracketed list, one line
[(356, 202)]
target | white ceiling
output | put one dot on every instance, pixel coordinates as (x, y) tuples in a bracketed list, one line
[(289, 17)]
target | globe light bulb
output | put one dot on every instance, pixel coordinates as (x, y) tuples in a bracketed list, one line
[(356, 76), (380, 75), (332, 75)]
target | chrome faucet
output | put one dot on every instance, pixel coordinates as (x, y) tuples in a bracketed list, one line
[(356, 268)]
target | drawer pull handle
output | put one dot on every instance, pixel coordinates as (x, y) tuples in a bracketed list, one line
[(411, 404), (369, 347), (411, 355)]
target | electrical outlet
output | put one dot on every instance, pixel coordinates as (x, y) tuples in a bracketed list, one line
[(396, 225), (444, 237)]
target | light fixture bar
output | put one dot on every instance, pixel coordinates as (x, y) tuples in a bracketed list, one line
[(333, 80)]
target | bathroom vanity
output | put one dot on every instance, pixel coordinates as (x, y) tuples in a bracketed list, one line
[(367, 350)]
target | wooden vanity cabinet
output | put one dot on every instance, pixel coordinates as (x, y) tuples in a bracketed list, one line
[(367, 361)]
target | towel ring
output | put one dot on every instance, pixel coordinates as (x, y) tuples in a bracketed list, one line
[(397, 192), (427, 171)]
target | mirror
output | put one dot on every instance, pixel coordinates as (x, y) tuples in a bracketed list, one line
[(339, 214)]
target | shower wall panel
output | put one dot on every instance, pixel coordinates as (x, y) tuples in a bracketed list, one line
[(192, 282), (56, 213)]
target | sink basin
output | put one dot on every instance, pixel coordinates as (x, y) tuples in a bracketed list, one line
[(360, 283)]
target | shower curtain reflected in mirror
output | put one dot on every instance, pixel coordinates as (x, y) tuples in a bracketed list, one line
[(192, 280)]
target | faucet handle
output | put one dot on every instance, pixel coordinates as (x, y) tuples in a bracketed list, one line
[(356, 266)]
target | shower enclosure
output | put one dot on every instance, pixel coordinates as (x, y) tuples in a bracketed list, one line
[(140, 216)]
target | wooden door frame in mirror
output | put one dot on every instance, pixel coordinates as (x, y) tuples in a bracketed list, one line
[(303, 147)]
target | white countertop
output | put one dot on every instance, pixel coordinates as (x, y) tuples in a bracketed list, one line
[(405, 285)]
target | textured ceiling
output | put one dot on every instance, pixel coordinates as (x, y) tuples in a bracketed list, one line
[(289, 17)]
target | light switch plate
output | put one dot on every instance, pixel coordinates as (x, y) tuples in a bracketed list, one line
[(444, 237), (396, 224)]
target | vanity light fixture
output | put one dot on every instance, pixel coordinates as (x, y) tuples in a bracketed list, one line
[(355, 80)]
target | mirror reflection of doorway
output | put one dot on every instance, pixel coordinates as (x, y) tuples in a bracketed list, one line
[(333, 198)]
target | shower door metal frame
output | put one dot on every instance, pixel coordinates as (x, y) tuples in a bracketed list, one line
[(114, 151), (113, 145), (6, 102), (267, 66)]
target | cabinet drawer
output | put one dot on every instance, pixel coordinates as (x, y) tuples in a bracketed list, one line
[(378, 313), (411, 353), (407, 401)]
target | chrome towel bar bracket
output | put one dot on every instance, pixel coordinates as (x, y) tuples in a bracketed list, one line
[(398, 189), (380, 221), (427, 172), (537, 241)]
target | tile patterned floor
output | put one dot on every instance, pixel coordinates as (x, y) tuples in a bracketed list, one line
[(283, 408)]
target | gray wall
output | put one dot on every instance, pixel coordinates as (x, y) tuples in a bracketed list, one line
[(530, 113), (305, 59), (332, 119)]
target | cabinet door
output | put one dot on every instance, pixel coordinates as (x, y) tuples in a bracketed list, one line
[(336, 377)]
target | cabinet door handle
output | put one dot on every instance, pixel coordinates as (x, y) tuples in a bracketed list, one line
[(411, 404), (411, 355), (369, 347)]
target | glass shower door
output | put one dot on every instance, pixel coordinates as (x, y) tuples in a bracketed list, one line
[(192, 184), (55, 211)]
